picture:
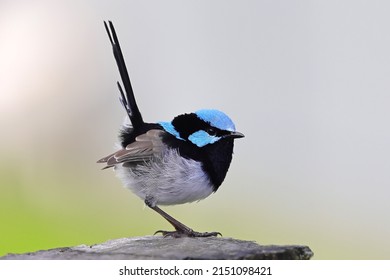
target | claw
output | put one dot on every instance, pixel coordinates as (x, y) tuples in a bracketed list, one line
[(179, 234), (181, 229)]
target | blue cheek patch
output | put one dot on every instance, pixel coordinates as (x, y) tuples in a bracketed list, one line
[(201, 138), (168, 127)]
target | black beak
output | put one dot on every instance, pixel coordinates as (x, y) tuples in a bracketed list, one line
[(235, 134)]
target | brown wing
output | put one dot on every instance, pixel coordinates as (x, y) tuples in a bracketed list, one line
[(145, 147)]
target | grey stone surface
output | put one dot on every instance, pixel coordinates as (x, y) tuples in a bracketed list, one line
[(158, 247)]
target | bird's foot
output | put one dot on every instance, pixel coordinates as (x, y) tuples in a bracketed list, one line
[(191, 233)]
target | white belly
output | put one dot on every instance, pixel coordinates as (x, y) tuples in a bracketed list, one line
[(168, 180)]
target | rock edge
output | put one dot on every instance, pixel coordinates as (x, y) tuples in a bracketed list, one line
[(160, 248)]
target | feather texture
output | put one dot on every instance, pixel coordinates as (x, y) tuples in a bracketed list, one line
[(166, 179), (144, 148)]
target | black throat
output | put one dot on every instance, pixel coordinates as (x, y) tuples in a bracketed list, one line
[(219, 157)]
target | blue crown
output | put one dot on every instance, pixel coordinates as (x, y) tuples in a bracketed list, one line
[(216, 118)]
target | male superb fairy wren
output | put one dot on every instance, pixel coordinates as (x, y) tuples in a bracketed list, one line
[(169, 163)]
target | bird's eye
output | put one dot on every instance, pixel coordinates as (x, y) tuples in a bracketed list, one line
[(211, 131)]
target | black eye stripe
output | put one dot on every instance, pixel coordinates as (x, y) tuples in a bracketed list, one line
[(187, 124)]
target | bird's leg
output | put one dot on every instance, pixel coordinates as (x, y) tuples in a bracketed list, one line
[(181, 229)]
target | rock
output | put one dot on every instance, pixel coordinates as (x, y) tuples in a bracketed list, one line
[(160, 248)]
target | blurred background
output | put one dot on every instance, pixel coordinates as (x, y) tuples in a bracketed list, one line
[(307, 82)]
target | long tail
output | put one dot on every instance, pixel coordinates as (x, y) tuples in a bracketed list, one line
[(128, 100)]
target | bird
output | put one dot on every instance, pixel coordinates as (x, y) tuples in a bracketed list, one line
[(169, 163)]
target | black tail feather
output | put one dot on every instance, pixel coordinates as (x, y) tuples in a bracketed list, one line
[(128, 100)]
